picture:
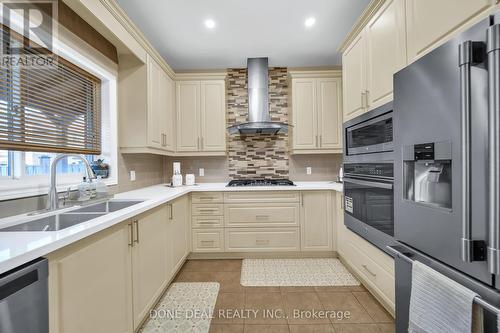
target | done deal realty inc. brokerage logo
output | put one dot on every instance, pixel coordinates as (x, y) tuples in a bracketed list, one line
[(29, 29)]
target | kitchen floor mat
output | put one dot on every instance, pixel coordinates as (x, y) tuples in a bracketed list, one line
[(295, 273), (186, 307)]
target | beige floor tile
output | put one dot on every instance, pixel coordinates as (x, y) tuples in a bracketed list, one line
[(297, 289), (347, 306), (322, 328), (262, 289), (228, 265), (185, 276), (302, 307), (229, 282), (373, 307), (335, 289), (227, 308), (268, 307), (266, 329), (356, 328), (387, 328), (226, 328)]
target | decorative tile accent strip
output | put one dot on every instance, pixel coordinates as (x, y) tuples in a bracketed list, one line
[(295, 273), (263, 156), (186, 307)]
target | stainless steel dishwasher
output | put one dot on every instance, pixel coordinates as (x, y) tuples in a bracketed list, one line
[(24, 298)]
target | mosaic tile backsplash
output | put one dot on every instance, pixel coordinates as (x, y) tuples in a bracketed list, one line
[(262, 156)]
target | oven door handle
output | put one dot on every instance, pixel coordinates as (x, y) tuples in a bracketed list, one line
[(386, 186)]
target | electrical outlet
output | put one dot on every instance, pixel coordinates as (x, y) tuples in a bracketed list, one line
[(202, 172), (308, 170), (132, 175)]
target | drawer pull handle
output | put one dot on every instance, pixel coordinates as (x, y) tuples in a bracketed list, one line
[(207, 198), (368, 270), (207, 243), (262, 217), (262, 241)]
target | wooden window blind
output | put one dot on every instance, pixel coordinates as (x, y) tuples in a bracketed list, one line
[(50, 110)]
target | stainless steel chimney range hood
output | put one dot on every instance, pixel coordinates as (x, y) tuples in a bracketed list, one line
[(259, 121)]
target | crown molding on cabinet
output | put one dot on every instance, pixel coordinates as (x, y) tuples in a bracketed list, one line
[(120, 15), (201, 76), (294, 74), (367, 14)]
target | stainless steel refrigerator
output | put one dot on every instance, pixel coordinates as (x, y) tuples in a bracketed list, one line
[(447, 164)]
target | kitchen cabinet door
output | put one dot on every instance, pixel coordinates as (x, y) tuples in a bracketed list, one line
[(430, 22), (304, 114), (156, 107), (354, 78), (385, 51), (329, 109), (179, 232), (316, 221), (168, 105), (150, 273), (213, 116), (188, 115), (90, 284)]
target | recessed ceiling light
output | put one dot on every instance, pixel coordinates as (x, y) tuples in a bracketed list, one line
[(210, 24), (309, 22)]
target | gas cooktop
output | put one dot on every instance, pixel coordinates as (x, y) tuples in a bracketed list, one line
[(261, 182)]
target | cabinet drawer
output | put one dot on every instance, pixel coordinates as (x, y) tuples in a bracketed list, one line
[(207, 209), (208, 221), (262, 215), (208, 240), (373, 274), (207, 197), (254, 240), (261, 196)]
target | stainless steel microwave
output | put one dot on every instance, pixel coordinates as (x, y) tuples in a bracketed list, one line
[(370, 133)]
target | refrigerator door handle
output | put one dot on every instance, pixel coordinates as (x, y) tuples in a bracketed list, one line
[(493, 51), (470, 53)]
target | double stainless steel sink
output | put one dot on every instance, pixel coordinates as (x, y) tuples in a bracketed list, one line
[(71, 218)]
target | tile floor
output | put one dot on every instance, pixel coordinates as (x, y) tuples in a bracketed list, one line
[(366, 315)]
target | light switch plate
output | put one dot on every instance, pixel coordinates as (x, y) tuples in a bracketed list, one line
[(202, 172), (308, 170), (132, 175)]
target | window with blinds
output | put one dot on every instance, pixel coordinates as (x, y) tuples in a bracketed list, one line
[(56, 109)]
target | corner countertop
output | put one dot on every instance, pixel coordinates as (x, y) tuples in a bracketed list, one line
[(17, 248)]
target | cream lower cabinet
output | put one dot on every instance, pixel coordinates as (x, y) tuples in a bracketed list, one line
[(316, 221), (108, 282), (316, 113), (90, 284), (371, 265), (431, 22), (201, 117), (151, 265), (207, 220)]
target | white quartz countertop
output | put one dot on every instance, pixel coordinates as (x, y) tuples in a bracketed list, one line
[(17, 248)]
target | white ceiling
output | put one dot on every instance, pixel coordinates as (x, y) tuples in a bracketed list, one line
[(245, 28)]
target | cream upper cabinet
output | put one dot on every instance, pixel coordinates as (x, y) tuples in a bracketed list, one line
[(188, 115), (145, 101), (179, 232), (354, 78), (90, 284), (430, 22), (213, 116), (304, 113), (316, 221), (385, 51), (329, 110), (150, 266), (316, 111), (201, 117)]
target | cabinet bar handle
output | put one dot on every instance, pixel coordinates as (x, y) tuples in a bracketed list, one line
[(136, 222), (262, 241), (130, 235), (262, 217), (366, 269), (320, 140), (207, 242), (367, 93), (201, 144), (171, 212)]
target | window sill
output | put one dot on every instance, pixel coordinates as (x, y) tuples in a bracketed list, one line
[(27, 191)]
